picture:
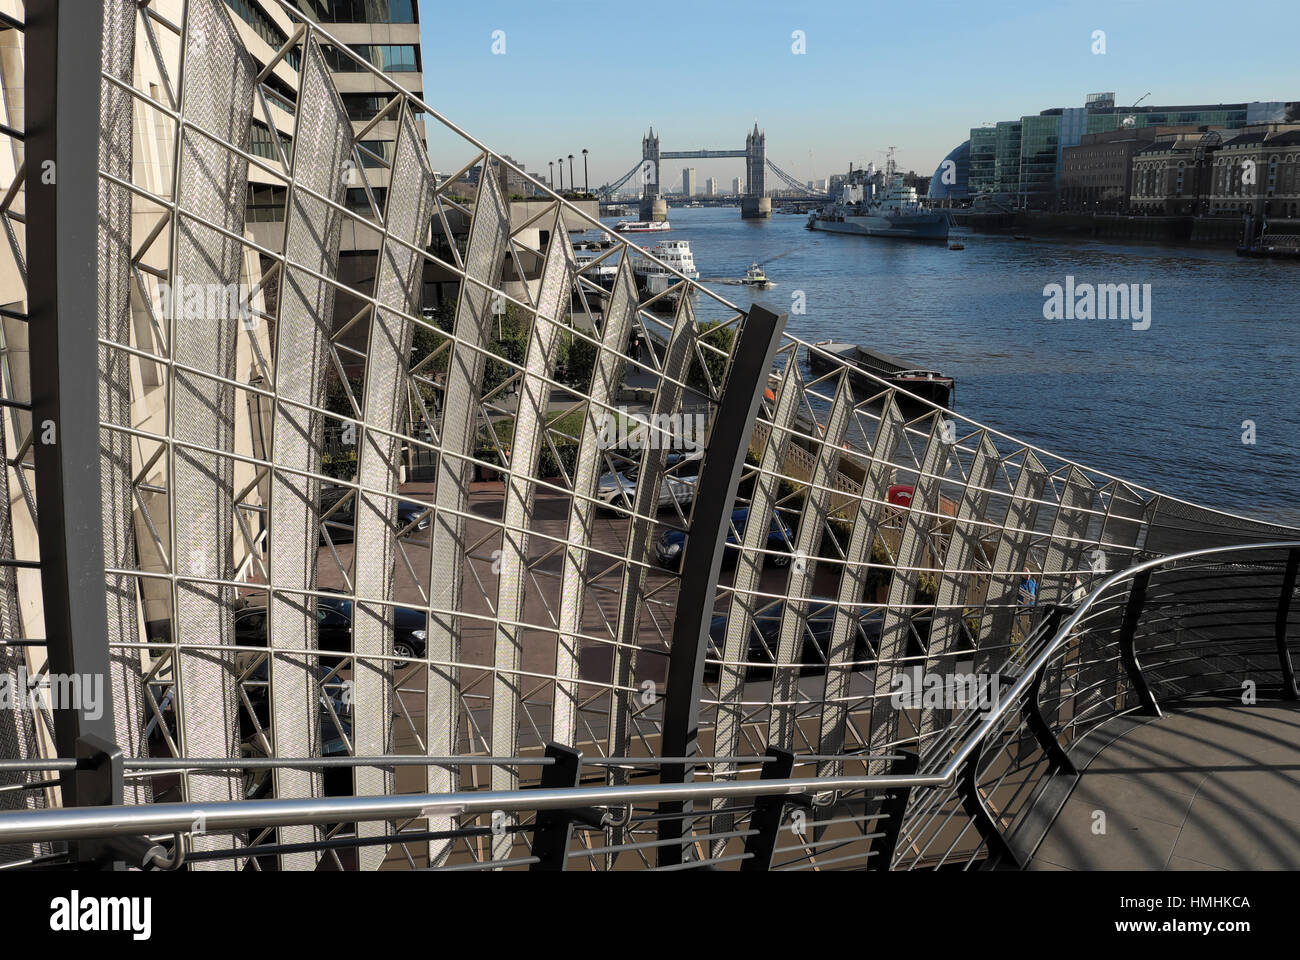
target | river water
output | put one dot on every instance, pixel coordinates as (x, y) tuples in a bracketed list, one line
[(1162, 406)]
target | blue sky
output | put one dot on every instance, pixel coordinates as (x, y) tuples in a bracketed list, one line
[(582, 73)]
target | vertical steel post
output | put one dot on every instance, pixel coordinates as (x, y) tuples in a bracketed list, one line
[(768, 814), (1032, 712), (62, 57), (1127, 632), (554, 828), (1289, 691), (752, 357), (892, 810)]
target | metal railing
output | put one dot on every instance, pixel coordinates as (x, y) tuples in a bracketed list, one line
[(1194, 623)]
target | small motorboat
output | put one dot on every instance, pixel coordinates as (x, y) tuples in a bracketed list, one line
[(956, 246), (755, 277)]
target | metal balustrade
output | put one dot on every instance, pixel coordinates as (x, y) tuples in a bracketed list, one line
[(1203, 622), (549, 620)]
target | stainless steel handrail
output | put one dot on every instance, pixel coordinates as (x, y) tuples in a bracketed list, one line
[(86, 822)]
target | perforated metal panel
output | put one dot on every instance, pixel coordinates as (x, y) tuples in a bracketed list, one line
[(303, 360), (216, 97)]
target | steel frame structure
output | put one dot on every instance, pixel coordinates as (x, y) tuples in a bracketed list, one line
[(549, 629)]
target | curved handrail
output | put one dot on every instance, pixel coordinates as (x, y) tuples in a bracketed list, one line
[(73, 823), (1026, 679)]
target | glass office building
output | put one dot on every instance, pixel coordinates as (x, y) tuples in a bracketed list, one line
[(1039, 150), (1021, 159), (1006, 157), (983, 153)]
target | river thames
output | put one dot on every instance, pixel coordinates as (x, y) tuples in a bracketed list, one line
[(1162, 406)]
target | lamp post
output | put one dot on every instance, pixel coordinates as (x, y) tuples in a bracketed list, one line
[(561, 163), (586, 185), (573, 184), (551, 164)]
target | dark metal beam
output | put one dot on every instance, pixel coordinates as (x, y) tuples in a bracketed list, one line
[(891, 811), (1000, 852), (1289, 691), (752, 357), (62, 79), (768, 814), (1127, 632), (1032, 710)]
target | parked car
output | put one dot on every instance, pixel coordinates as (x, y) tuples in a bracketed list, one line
[(780, 539), (334, 627), (341, 524), (765, 634), (334, 735), (618, 488)]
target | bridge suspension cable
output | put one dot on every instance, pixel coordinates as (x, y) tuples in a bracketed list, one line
[(791, 182), (611, 188)]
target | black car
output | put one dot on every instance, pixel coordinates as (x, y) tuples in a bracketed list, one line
[(765, 636), (780, 542), (335, 731), (334, 627), (335, 719), (341, 524)]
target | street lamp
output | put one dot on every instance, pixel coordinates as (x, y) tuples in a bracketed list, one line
[(586, 185), (561, 163), (573, 184), (551, 164)]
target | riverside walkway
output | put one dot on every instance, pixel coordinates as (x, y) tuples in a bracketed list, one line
[(1212, 785)]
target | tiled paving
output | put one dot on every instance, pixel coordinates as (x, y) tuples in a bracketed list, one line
[(1206, 787)]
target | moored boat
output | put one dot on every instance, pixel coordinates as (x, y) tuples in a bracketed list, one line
[(642, 226), (927, 384), (877, 203)]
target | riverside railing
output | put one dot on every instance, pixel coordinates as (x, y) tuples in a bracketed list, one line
[(1200, 623)]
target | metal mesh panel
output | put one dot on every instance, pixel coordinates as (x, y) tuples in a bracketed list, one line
[(609, 367), (948, 626), (854, 584), (18, 721), (898, 626), (397, 288), (529, 441), (303, 358), (115, 469), (486, 247), (217, 97)]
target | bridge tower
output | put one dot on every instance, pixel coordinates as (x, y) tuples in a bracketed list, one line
[(653, 206), (755, 203)]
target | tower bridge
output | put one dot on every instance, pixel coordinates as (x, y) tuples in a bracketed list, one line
[(754, 202)]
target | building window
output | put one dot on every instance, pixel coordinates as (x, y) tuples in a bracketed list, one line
[(262, 145), (361, 11), (265, 28), (383, 148), (357, 202), (388, 57)]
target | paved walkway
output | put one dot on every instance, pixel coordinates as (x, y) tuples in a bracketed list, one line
[(1207, 787)]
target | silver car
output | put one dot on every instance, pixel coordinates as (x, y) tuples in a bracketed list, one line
[(618, 488)]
